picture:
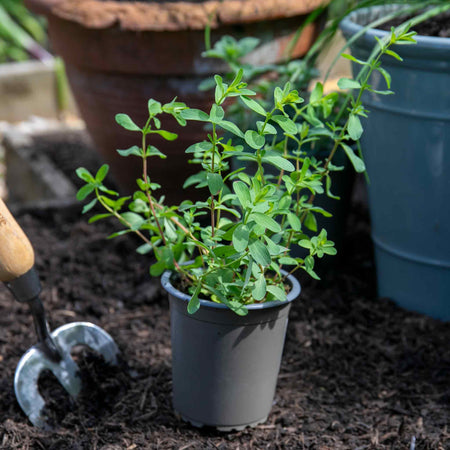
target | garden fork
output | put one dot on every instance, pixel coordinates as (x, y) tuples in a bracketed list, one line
[(53, 350)]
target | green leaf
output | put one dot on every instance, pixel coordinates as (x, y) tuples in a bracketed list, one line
[(89, 206), (240, 238), (154, 107), (329, 250), (356, 161), (260, 253), (217, 114), (124, 120), (153, 151), (386, 75), (198, 179), (316, 93), (254, 106), (254, 139), (288, 261), (347, 83), (157, 122), (194, 302), (243, 194), (215, 182), (84, 192), (167, 256), (277, 292), (237, 307), (328, 189), (135, 150), (352, 58), (199, 147), (279, 162), (268, 128), (274, 249), (98, 217), (85, 175), (224, 251), (266, 222), (305, 243), (294, 221), (220, 88), (286, 124), (248, 274), (144, 249), (231, 127), (311, 222), (194, 114), (134, 221), (167, 135), (278, 96), (101, 173), (259, 288), (394, 55), (355, 129), (157, 269), (309, 265), (169, 230)]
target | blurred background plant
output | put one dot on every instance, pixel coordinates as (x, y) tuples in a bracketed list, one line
[(301, 72), (22, 35)]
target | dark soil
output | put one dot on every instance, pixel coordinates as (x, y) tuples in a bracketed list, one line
[(438, 26), (357, 371)]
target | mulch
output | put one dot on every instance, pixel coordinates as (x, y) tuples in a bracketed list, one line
[(358, 372)]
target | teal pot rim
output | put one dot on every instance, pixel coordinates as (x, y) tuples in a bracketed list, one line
[(292, 295), (427, 47)]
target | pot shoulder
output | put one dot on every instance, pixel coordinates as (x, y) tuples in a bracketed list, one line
[(167, 16)]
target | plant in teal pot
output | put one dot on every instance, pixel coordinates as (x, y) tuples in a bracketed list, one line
[(405, 147)]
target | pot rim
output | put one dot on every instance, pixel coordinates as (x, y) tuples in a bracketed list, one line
[(351, 26), (171, 16), (292, 295)]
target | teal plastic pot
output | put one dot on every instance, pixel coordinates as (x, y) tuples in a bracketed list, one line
[(225, 366), (406, 147)]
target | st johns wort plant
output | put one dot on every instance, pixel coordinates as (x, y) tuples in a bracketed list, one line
[(232, 246)]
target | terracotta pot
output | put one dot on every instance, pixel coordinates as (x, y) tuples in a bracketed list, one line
[(120, 54)]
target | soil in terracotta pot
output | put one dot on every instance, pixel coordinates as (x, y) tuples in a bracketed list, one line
[(357, 372), (438, 26)]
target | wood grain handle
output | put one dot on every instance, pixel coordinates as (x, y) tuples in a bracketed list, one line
[(16, 252)]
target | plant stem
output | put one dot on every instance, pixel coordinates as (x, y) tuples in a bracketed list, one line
[(120, 218), (212, 208), (147, 189)]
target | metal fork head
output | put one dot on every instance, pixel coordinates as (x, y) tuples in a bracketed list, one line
[(34, 361)]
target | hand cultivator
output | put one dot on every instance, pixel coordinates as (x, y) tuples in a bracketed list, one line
[(53, 350)]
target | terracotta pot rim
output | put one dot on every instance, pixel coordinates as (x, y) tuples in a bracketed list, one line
[(172, 16)]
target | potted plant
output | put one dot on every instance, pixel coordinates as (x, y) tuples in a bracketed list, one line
[(226, 260), (404, 145), (118, 52)]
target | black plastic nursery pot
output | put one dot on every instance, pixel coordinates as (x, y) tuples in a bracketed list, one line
[(224, 366), (405, 146)]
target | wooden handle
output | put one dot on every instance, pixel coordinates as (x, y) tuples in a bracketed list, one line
[(16, 252)]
